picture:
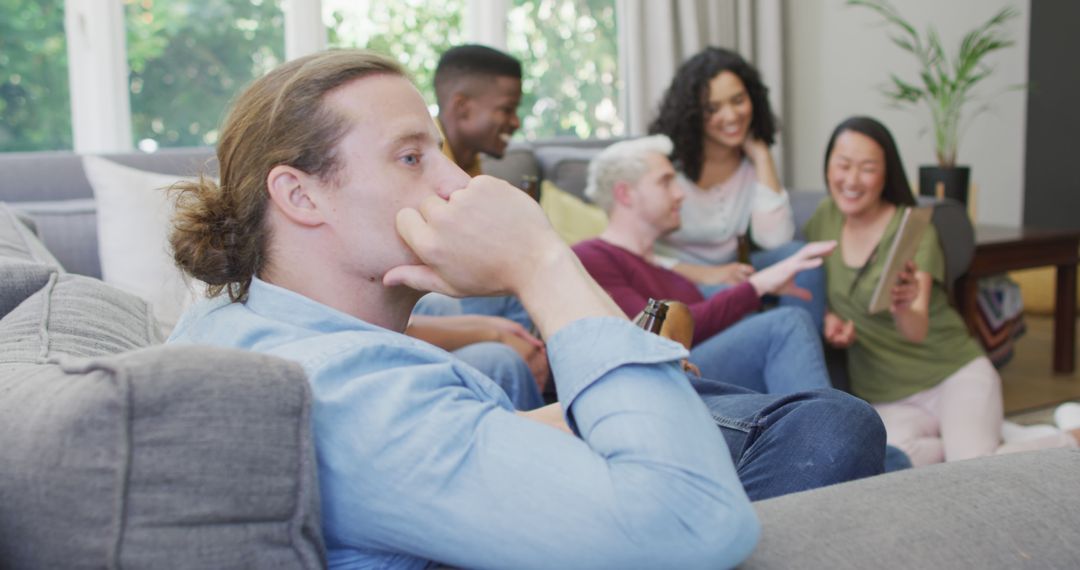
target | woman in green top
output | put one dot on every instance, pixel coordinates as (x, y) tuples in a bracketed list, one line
[(937, 393)]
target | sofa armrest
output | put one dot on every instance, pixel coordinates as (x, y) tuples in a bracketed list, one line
[(1009, 511), (165, 457)]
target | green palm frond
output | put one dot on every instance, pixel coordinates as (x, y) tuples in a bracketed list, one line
[(944, 85)]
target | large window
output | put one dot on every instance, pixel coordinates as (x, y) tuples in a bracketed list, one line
[(568, 50), (188, 58), (414, 32), (35, 107)]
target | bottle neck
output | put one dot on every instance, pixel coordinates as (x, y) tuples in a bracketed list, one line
[(652, 318)]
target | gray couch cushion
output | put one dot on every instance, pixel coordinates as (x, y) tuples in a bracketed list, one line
[(69, 229), (19, 280), (27, 221), (517, 162), (17, 241), (47, 176), (167, 457), (567, 166), (74, 315), (42, 176), (25, 263), (803, 205), (1009, 511)]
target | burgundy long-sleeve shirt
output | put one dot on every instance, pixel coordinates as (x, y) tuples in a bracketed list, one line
[(630, 280)]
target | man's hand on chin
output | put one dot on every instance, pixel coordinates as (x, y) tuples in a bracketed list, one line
[(483, 240), (491, 239)]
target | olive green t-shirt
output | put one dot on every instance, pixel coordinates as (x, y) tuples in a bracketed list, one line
[(884, 366)]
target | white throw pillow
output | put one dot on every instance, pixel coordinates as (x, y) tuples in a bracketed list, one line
[(134, 213)]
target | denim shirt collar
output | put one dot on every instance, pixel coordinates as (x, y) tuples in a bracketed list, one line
[(281, 304)]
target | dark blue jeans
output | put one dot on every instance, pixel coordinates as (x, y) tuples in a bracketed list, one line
[(791, 443)]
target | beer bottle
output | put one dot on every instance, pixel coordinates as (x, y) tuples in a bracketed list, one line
[(744, 248), (530, 184), (652, 318)]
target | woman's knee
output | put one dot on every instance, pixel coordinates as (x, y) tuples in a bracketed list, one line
[(977, 377)]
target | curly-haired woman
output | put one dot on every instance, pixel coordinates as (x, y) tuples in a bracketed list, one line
[(717, 113)]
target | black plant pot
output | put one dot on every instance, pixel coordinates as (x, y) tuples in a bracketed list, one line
[(953, 181)]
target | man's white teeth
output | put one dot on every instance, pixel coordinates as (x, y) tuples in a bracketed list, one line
[(504, 137)]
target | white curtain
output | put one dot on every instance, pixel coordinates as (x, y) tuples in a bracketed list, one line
[(485, 22), (305, 32), (655, 36), (98, 75)]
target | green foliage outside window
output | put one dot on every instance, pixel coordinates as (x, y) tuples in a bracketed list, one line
[(414, 32), (35, 112), (568, 49), (189, 58)]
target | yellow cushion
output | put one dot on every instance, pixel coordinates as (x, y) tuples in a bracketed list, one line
[(1037, 287), (573, 219)]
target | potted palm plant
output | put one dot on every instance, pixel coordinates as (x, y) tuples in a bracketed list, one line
[(944, 85)]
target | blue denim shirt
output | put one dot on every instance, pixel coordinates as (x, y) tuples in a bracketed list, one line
[(421, 458)]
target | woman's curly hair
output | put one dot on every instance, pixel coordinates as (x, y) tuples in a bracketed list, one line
[(682, 110)]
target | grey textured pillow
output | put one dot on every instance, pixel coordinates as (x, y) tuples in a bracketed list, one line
[(167, 457), (17, 241), (75, 316), (1009, 511), (25, 263), (20, 279), (69, 229)]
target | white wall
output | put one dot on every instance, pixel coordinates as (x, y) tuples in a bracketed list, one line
[(838, 57)]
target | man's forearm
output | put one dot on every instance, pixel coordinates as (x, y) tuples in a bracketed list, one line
[(448, 333), (562, 292)]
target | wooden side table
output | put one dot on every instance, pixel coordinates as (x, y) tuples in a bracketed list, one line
[(1000, 248)]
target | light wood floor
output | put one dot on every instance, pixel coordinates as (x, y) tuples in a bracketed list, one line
[(1028, 380)]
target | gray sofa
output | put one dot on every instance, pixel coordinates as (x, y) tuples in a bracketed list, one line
[(53, 188), (118, 452)]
